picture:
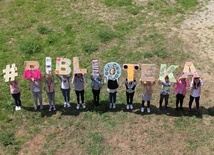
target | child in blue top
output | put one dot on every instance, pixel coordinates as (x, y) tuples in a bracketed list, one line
[(96, 87)]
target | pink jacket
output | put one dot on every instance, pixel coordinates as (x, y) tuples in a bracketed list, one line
[(179, 85)]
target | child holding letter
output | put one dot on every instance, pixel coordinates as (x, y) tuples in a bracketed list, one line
[(195, 92), (165, 91), (147, 94), (96, 87), (180, 90), (49, 82), (130, 90), (36, 89), (65, 88), (78, 81), (15, 92)]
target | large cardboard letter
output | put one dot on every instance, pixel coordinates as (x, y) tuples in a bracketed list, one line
[(169, 71), (148, 72), (10, 73), (32, 70), (48, 64), (130, 70), (95, 67), (189, 69), (112, 70), (76, 66), (62, 66)]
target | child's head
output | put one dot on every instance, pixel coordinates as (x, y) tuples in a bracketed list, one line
[(167, 78), (183, 78), (196, 80), (112, 71), (49, 77), (79, 75)]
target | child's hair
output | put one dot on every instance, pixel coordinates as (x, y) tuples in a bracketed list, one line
[(167, 77), (196, 85)]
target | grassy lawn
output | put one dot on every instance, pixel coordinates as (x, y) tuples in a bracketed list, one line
[(124, 31)]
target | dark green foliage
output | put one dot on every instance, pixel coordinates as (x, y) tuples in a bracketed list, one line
[(42, 29), (31, 45)]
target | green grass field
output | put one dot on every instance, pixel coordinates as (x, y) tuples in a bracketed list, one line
[(124, 31)]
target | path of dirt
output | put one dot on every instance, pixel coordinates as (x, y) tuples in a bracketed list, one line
[(198, 30)]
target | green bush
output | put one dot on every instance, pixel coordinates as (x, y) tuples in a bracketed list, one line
[(117, 2), (148, 55), (31, 45), (106, 35), (7, 138), (89, 47), (42, 29), (162, 53)]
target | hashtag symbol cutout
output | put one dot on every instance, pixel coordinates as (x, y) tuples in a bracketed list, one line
[(10, 73)]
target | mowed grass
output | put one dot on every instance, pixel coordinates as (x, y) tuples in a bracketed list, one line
[(123, 31)]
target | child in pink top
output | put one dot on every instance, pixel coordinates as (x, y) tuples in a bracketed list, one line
[(180, 90), (15, 92)]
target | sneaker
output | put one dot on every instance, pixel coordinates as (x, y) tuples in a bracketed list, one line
[(65, 105), (35, 107), (114, 105), (110, 105), (41, 107), (68, 105), (78, 106), (54, 108), (83, 106), (17, 108), (198, 110), (127, 106), (50, 108), (142, 109), (148, 110), (131, 106)]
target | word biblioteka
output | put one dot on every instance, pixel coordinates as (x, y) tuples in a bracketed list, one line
[(148, 71)]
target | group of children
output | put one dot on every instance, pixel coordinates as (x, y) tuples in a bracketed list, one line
[(112, 85)]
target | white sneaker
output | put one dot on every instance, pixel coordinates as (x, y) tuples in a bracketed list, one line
[(142, 109), (17, 108), (65, 105), (68, 105), (148, 110), (78, 106), (131, 106), (114, 105), (83, 106), (35, 107), (110, 105), (54, 108), (50, 108), (127, 106)]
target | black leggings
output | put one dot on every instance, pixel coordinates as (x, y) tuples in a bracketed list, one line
[(179, 98), (17, 100), (78, 93), (129, 97), (96, 94), (161, 100), (148, 103), (196, 101), (66, 95)]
